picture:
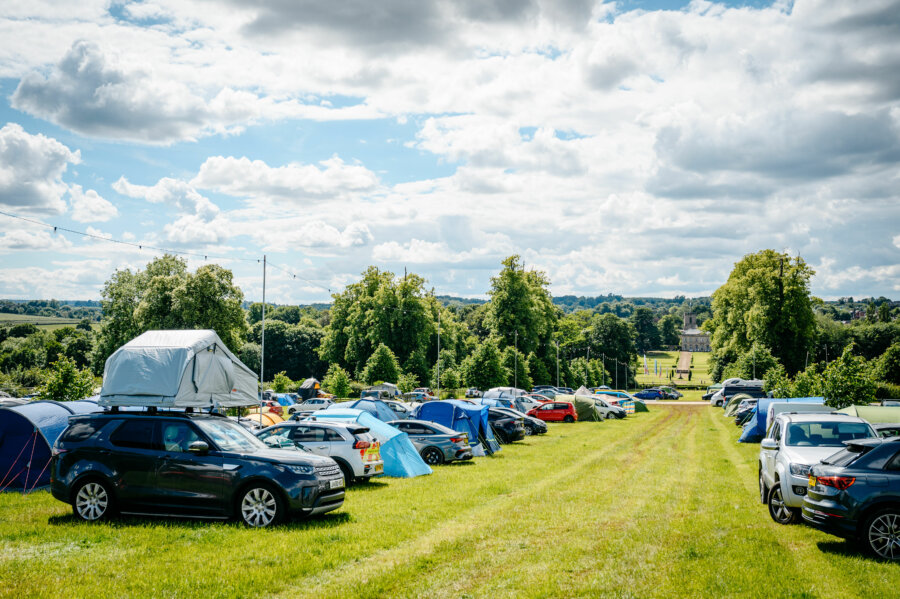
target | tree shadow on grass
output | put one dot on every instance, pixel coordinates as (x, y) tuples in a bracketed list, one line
[(370, 485)]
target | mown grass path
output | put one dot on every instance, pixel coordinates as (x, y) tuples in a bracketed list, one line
[(660, 505)]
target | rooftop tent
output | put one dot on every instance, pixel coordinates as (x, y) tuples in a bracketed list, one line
[(505, 392), (875, 414), (584, 407), (177, 369), (375, 407), (27, 435), (399, 454), (755, 429), (389, 387), (309, 388), (462, 416)]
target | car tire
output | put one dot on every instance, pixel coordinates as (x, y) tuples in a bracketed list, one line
[(529, 430), (433, 456), (779, 512), (93, 501), (881, 534), (349, 479), (260, 506), (763, 490), (568, 418)]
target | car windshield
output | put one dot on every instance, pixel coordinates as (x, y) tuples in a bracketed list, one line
[(229, 436), (826, 434)]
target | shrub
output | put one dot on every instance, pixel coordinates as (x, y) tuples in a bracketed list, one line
[(337, 381), (65, 382)]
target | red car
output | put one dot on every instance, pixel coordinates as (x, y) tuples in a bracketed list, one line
[(555, 411)]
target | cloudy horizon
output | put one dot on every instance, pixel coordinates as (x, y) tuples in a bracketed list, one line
[(638, 148)]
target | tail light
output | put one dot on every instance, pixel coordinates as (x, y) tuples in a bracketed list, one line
[(57, 451), (838, 482), (456, 439), (362, 445)]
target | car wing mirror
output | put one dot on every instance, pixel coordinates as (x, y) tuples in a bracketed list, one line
[(199, 447), (769, 444)]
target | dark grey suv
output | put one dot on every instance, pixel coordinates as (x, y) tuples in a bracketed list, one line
[(178, 464)]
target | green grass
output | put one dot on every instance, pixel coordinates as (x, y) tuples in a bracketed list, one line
[(668, 360), (663, 504), (42, 322)]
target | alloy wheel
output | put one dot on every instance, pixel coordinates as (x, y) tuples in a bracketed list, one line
[(259, 507), (884, 536), (92, 501)]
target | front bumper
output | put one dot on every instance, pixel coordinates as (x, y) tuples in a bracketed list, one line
[(316, 496), (793, 489)]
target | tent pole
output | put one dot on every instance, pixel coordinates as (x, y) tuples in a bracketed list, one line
[(262, 345)]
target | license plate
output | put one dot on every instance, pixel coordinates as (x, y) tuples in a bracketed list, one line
[(379, 468), (336, 483), (812, 481)]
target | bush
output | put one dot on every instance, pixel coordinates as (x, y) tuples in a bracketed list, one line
[(407, 381), (337, 381), (848, 381), (65, 382), (381, 366), (281, 383), (887, 391)]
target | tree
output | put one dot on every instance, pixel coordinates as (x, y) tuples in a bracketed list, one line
[(407, 381), (483, 368), (848, 381), (540, 375), (612, 337), (65, 382), (668, 326), (166, 296), (888, 368), (381, 366), (752, 364), (416, 366), (765, 300), (516, 365), (337, 381), (249, 355), (646, 335), (521, 312), (282, 382)]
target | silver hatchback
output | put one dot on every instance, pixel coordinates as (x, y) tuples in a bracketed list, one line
[(435, 442)]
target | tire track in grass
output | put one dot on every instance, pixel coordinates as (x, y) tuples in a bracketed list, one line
[(481, 543), (354, 574)]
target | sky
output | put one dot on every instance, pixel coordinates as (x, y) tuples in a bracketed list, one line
[(637, 148)]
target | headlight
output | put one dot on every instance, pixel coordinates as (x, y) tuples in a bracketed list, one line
[(298, 469), (799, 469)]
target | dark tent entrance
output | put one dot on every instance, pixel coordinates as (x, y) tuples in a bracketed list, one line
[(27, 435)]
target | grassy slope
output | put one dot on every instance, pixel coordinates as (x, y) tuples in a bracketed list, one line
[(663, 504), (42, 322)]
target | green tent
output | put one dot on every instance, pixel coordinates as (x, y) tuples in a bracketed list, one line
[(640, 406), (875, 414), (584, 406), (731, 408)]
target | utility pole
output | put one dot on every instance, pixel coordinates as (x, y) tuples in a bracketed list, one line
[(439, 353), (516, 356), (262, 346), (557, 362)]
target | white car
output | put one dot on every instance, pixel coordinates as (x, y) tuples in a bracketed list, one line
[(607, 410), (350, 445), (310, 405), (796, 442)]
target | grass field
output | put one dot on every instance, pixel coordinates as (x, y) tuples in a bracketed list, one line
[(667, 361), (660, 505), (42, 322)]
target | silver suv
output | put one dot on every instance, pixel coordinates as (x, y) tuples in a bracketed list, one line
[(350, 445), (794, 443)]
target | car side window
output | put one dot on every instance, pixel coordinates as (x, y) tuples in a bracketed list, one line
[(894, 464), (137, 434), (178, 436), (776, 434), (309, 434), (332, 435)]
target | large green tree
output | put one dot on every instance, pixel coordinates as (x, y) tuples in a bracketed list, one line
[(646, 334), (484, 367), (166, 296), (381, 366), (765, 300)]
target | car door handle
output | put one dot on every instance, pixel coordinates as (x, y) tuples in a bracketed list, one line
[(323, 447)]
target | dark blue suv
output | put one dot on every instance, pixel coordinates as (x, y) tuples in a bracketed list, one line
[(182, 464), (855, 494)]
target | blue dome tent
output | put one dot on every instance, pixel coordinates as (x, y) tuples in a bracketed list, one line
[(27, 435), (375, 407), (464, 417), (399, 454), (755, 429)]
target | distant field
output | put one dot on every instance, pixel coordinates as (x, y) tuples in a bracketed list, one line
[(667, 361), (42, 322)]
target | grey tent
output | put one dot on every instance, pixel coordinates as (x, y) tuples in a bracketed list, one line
[(177, 369), (309, 389)]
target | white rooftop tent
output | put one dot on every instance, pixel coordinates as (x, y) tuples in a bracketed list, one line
[(177, 369)]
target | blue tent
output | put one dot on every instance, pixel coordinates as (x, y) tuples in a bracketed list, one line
[(27, 435), (375, 407), (399, 454), (464, 417), (755, 429)]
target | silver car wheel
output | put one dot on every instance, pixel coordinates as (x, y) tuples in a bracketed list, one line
[(884, 536), (92, 501), (259, 507), (781, 513)]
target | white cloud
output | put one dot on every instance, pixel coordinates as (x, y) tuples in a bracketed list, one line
[(21, 240), (89, 207), (31, 170)]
